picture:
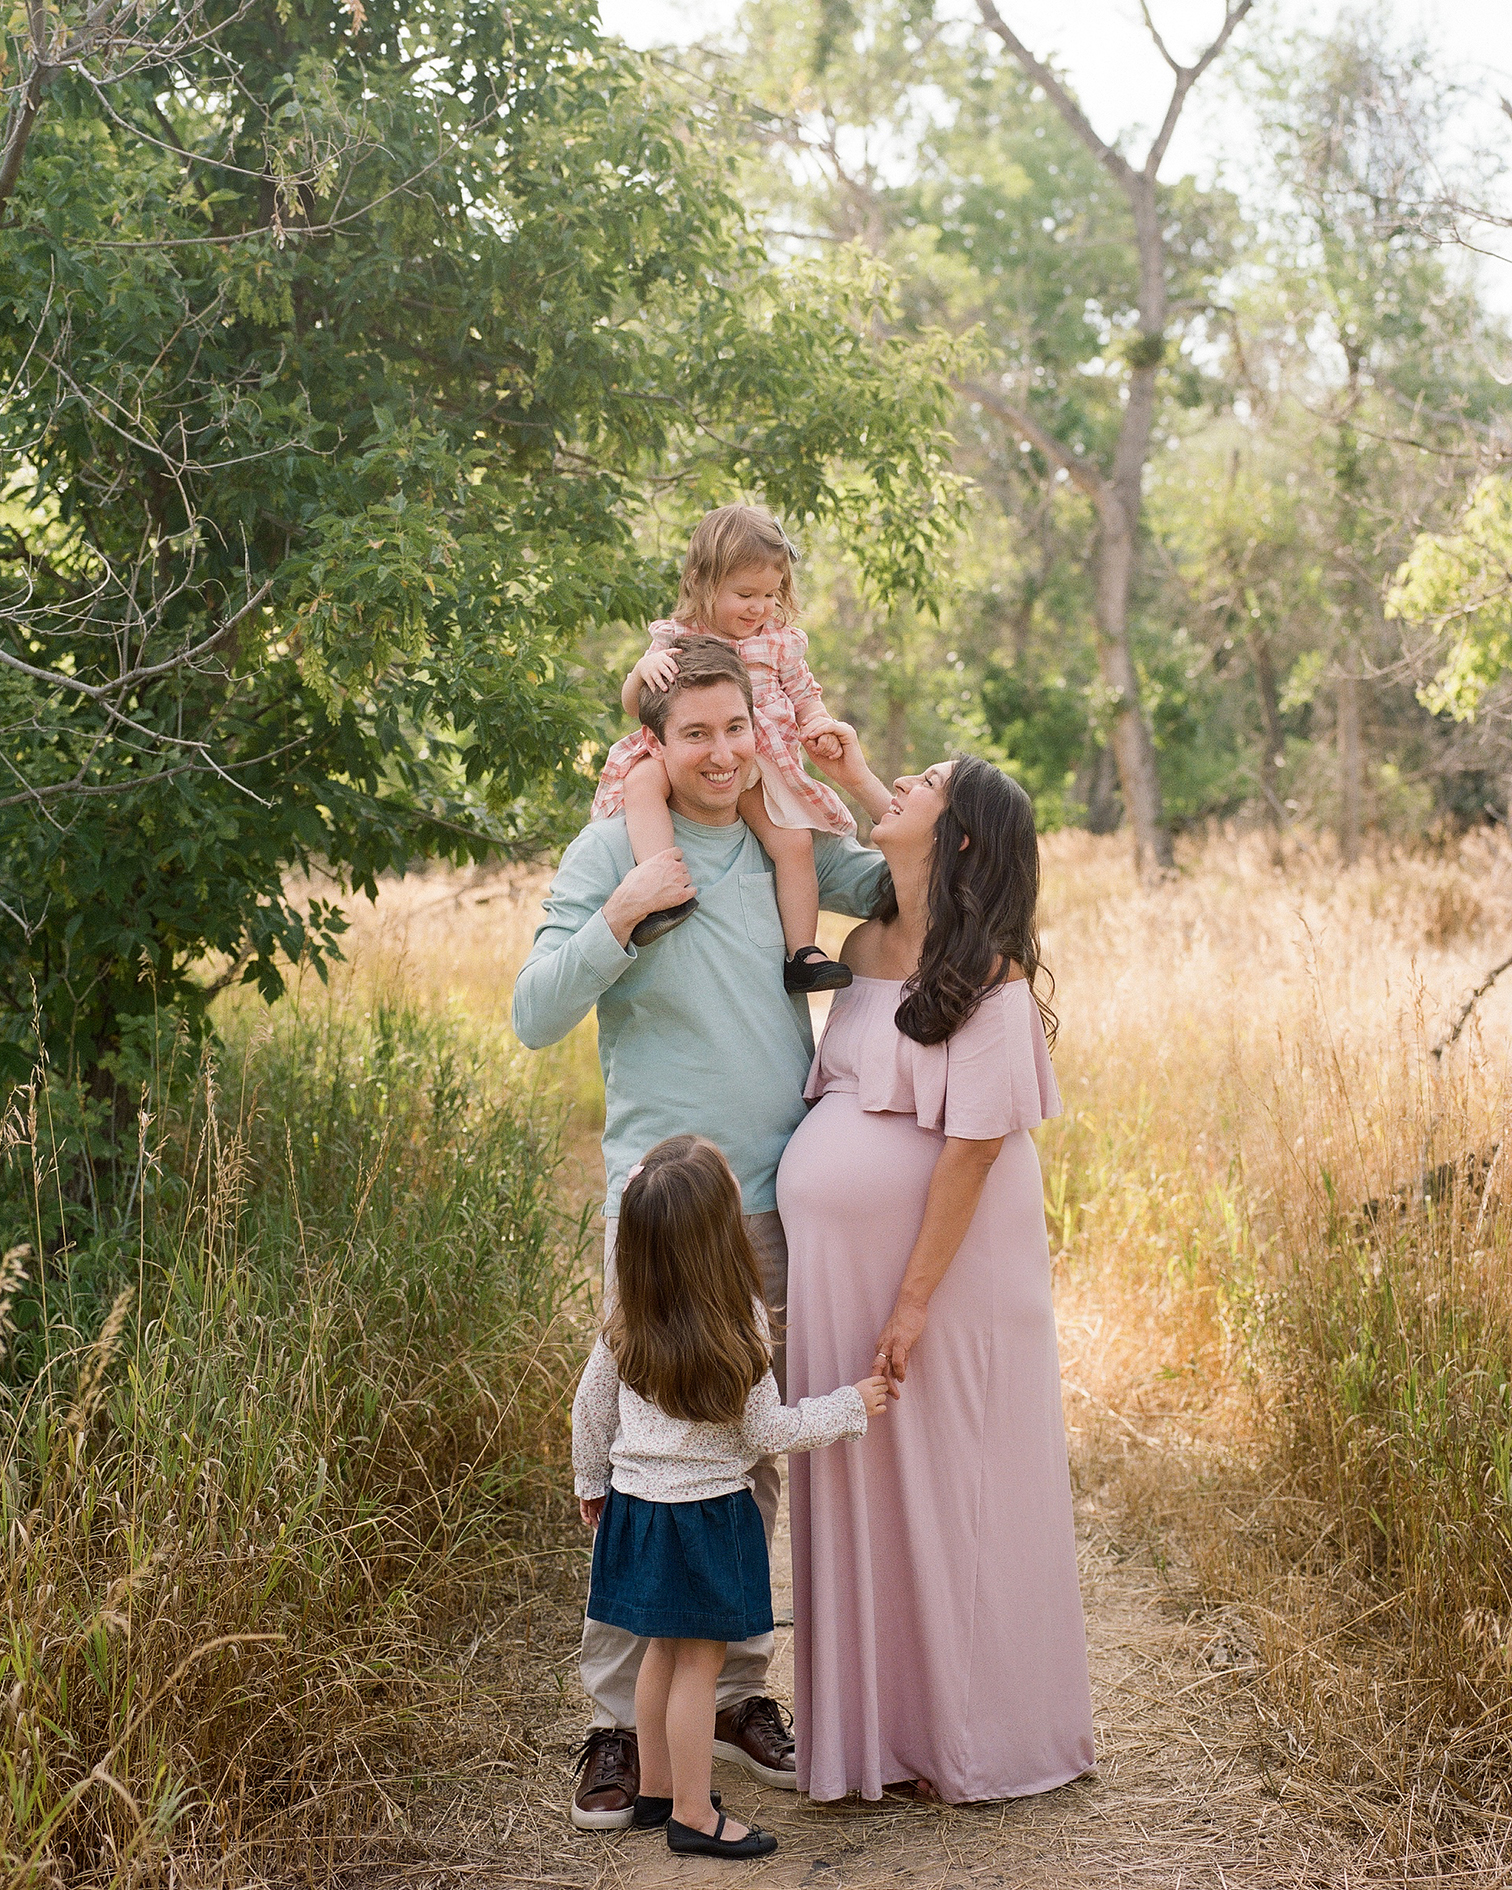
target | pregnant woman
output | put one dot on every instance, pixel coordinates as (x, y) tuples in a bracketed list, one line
[(939, 1631)]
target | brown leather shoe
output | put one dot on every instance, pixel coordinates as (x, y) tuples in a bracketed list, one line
[(757, 1735), (609, 1761)]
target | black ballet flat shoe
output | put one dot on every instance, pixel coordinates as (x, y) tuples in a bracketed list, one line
[(687, 1842), (650, 1814), (810, 970), (657, 925)]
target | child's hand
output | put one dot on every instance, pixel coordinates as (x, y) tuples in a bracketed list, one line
[(822, 740), (590, 1508), (658, 668), (873, 1395)]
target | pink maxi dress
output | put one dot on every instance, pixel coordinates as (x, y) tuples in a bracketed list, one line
[(938, 1619)]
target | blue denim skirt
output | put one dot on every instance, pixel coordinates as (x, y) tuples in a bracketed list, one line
[(682, 1571)]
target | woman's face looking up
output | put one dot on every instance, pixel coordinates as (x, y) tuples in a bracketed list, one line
[(917, 802)]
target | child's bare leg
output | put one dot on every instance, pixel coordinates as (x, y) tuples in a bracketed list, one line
[(648, 819), (791, 850), (689, 1720), (648, 823), (651, 1687)]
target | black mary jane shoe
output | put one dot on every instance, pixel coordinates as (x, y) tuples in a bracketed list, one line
[(650, 1814), (657, 925), (687, 1842), (810, 970)]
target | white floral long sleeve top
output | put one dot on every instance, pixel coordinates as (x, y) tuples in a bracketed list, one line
[(618, 1437)]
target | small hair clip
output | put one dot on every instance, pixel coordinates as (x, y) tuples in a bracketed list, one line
[(638, 1169)]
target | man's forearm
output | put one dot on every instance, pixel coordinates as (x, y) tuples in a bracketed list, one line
[(557, 988)]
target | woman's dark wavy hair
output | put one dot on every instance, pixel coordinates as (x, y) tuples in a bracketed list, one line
[(982, 900)]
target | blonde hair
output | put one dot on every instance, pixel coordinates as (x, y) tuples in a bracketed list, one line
[(685, 1332), (733, 539)]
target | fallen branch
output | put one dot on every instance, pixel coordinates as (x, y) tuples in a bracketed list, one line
[(1469, 1005)]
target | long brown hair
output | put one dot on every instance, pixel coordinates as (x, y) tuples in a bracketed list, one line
[(982, 901), (685, 1332), (734, 538)]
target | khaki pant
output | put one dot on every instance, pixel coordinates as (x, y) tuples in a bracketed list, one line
[(610, 1658)]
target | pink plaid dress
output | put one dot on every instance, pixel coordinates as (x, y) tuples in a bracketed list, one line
[(787, 700)]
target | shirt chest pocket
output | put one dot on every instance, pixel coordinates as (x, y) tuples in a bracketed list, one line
[(758, 903)]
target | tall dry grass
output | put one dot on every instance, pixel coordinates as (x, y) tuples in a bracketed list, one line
[(1284, 1233), (319, 1419), (327, 1408)]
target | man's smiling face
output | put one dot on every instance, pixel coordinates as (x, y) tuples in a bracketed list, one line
[(708, 750)]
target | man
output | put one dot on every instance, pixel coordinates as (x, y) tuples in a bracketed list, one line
[(695, 1033)]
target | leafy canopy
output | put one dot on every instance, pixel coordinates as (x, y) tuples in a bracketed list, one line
[(356, 358), (1460, 583)]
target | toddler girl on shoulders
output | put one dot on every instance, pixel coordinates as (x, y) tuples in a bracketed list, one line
[(737, 584)]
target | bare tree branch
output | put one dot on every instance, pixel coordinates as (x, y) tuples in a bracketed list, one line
[(102, 692), (21, 130), (239, 962), (1079, 471), (1186, 78), (1064, 103), (1154, 32)]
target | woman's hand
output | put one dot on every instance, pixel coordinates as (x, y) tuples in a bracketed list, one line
[(904, 1329), (850, 770), (590, 1508), (874, 1395), (658, 668)]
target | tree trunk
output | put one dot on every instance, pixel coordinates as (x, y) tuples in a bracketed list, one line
[(1097, 789), (895, 739), (1351, 766), (1132, 744), (1274, 758), (1119, 499)]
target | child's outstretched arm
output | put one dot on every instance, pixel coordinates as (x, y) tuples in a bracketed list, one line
[(773, 1427), (816, 725), (656, 669)]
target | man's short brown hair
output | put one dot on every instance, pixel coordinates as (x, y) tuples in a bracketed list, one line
[(700, 662)]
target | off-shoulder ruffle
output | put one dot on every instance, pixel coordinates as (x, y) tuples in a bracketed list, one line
[(992, 1078)]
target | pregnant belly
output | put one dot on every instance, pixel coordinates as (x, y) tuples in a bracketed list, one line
[(863, 1174)]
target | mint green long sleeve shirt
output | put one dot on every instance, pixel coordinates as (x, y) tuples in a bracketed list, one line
[(696, 1033)]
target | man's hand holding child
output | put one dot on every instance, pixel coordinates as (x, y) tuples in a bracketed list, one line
[(656, 883)]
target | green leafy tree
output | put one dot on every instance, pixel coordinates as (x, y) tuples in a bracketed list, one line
[(346, 348), (1362, 355), (1459, 584), (1086, 283)]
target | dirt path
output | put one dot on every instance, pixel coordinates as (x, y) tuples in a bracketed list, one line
[(1164, 1809), (1179, 1800)]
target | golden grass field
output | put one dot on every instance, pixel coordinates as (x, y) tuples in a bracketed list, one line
[(1316, 1393), (249, 1536)]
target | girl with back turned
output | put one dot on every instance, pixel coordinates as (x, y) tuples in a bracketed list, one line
[(676, 1405)]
